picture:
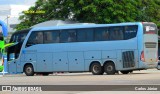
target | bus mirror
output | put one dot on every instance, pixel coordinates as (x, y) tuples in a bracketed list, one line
[(11, 56)]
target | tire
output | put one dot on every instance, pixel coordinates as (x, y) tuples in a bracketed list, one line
[(29, 70), (109, 68), (97, 69)]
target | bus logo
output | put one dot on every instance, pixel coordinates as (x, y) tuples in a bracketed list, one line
[(6, 88)]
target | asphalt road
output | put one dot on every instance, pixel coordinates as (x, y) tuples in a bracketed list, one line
[(145, 77)]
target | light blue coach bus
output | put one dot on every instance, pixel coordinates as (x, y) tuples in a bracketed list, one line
[(95, 48)]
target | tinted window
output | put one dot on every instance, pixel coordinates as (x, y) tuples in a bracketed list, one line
[(84, 35), (23, 36), (68, 36), (130, 31), (116, 33), (150, 28), (35, 38), (18, 37), (64, 36), (101, 34), (72, 35), (51, 37)]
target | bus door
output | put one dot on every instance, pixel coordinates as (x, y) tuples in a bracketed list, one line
[(12, 64)]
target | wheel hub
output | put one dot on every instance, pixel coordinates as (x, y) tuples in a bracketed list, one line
[(109, 68), (28, 70), (96, 68)]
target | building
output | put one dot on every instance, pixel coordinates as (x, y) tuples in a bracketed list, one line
[(10, 11)]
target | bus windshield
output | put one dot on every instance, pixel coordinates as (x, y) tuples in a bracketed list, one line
[(150, 28), (19, 36)]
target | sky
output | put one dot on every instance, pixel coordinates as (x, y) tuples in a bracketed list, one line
[(17, 2), (10, 10)]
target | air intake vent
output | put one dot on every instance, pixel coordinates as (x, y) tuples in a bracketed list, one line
[(128, 59), (150, 45)]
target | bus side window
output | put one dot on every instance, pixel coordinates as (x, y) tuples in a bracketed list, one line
[(85, 35), (48, 37), (116, 33), (35, 38), (39, 37), (51, 37), (130, 31), (72, 36), (64, 36), (101, 34), (68, 36), (105, 35)]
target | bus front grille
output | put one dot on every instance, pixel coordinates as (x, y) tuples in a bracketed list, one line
[(128, 59)]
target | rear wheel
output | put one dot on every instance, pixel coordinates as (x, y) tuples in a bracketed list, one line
[(28, 70), (96, 69), (109, 68)]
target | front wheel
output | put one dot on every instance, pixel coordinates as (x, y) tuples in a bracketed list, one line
[(96, 69), (109, 68), (28, 70)]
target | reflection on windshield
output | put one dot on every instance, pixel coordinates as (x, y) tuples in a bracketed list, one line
[(18, 37)]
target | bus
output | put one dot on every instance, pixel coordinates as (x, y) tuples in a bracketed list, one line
[(3, 33), (95, 48)]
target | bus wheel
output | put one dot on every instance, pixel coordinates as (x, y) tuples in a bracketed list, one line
[(96, 69), (125, 72), (109, 68), (29, 71)]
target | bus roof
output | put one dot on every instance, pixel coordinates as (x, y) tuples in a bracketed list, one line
[(83, 26)]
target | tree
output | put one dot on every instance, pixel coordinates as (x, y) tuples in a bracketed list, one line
[(93, 11)]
